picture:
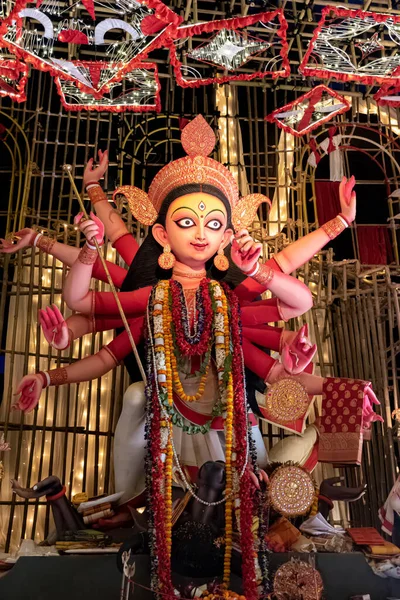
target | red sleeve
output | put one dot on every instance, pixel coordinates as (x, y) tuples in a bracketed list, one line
[(117, 273), (256, 360), (126, 246), (121, 347), (107, 323), (261, 312), (264, 335), (133, 303), (250, 289)]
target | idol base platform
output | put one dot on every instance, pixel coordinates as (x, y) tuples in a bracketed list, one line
[(97, 578)]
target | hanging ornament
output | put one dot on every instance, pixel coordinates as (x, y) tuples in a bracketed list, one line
[(242, 48), (309, 111), (139, 91), (46, 34), (344, 42), (298, 580), (13, 78)]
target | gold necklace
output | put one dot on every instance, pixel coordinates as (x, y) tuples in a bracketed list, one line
[(190, 274)]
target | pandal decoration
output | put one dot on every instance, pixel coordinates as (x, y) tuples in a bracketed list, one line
[(345, 43), (139, 91), (309, 111), (298, 580), (137, 29), (256, 42), (388, 95), (291, 490), (13, 78), (168, 334)]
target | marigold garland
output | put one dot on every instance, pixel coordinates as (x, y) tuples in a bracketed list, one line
[(220, 328)]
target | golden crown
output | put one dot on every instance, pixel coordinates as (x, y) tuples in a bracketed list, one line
[(198, 141)]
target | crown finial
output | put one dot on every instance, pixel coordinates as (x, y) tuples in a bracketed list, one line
[(198, 138)]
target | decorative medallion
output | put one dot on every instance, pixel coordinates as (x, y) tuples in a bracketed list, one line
[(309, 111), (298, 580), (287, 400), (292, 490), (354, 45), (242, 48)]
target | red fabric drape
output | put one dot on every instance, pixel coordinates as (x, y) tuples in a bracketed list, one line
[(374, 245), (328, 203)]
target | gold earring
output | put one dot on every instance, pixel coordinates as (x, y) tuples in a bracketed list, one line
[(166, 260), (220, 261)]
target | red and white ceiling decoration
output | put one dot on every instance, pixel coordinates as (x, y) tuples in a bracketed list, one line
[(125, 31), (354, 45), (242, 48), (13, 78), (13, 73), (309, 111), (388, 95), (138, 92)]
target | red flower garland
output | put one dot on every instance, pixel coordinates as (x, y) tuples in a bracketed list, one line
[(246, 492), (184, 346), (158, 505)]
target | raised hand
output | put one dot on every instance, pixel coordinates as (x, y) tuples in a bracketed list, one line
[(347, 197), (54, 327), (28, 390), (91, 228), (245, 251), (94, 174), (299, 353), (26, 236)]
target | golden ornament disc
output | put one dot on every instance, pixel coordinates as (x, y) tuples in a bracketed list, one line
[(298, 580), (221, 262), (287, 400), (292, 490)]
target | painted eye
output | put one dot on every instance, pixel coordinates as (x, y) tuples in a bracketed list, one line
[(214, 224), (185, 222)]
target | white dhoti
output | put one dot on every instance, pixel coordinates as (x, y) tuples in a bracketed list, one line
[(193, 450)]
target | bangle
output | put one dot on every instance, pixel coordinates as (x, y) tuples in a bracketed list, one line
[(55, 497), (45, 244), (93, 184), (96, 194), (345, 219), (45, 378), (334, 227), (57, 376), (37, 237), (254, 271), (87, 255), (264, 275)]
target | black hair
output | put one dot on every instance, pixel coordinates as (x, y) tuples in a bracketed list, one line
[(145, 271)]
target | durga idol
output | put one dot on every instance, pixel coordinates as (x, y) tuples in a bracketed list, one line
[(202, 324)]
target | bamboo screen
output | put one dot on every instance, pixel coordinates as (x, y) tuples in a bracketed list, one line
[(355, 322)]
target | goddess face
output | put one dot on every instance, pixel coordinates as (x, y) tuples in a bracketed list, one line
[(195, 228)]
